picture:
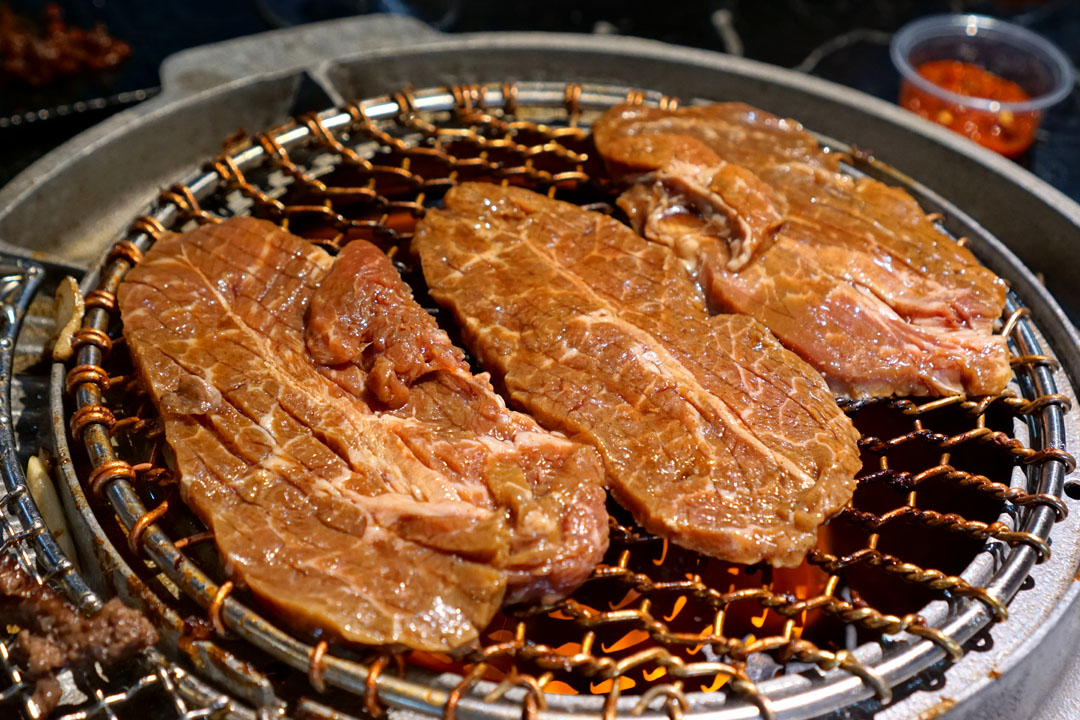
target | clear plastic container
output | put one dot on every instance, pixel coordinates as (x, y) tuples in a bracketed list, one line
[(1010, 52)]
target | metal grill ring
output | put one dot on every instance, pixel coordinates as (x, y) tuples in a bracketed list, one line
[(369, 171)]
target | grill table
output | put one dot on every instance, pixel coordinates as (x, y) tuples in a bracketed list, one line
[(325, 83)]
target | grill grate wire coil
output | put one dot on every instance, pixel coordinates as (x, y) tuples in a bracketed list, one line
[(370, 171)]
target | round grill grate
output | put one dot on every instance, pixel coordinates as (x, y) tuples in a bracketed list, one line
[(954, 505)]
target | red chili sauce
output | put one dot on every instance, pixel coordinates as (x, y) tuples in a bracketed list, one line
[(1003, 131)]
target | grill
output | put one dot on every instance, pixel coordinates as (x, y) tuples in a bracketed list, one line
[(956, 500)]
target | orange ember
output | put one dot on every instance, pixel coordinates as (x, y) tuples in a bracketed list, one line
[(680, 612)]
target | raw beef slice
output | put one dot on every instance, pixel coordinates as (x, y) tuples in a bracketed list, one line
[(712, 434), (356, 476), (849, 273)]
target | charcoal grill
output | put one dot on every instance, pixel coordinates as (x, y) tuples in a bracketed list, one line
[(368, 169)]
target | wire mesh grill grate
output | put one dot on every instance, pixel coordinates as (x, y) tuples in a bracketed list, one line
[(946, 494)]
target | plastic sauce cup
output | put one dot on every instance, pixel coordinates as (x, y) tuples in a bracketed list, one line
[(1009, 51)]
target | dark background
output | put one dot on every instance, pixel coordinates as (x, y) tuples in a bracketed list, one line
[(841, 40)]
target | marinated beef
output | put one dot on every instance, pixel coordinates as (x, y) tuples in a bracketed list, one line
[(357, 477), (849, 273), (712, 434), (53, 635)]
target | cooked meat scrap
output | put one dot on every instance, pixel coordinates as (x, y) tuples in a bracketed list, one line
[(54, 635), (357, 477), (848, 273), (712, 434)]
